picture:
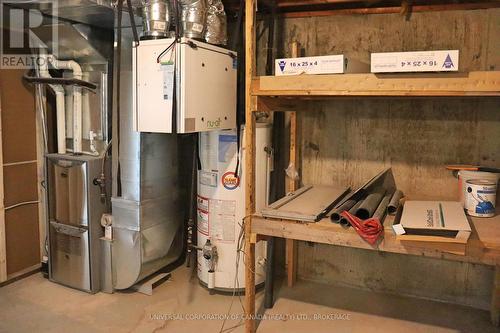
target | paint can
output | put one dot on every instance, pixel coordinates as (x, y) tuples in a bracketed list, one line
[(465, 175), (480, 197)]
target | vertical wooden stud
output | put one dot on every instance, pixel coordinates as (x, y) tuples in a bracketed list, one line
[(291, 245), (3, 250), (495, 298), (250, 105)]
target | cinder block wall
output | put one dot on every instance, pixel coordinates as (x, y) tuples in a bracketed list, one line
[(344, 142)]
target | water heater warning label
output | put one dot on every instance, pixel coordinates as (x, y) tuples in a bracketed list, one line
[(203, 222), (217, 218), (222, 219)]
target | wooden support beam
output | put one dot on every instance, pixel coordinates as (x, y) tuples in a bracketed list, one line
[(249, 167), (291, 245), (3, 249), (311, 12), (495, 298)]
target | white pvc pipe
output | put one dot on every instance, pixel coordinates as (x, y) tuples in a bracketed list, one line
[(60, 106), (61, 119), (77, 101)]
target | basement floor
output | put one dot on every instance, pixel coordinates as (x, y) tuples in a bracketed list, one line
[(36, 305)]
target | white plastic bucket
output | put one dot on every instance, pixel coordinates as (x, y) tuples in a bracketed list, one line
[(481, 197), (465, 175)]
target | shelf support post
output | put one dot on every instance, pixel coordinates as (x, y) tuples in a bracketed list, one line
[(291, 244), (495, 298), (249, 166)]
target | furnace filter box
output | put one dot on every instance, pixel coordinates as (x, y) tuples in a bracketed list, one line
[(439, 224), (421, 61), (331, 64)]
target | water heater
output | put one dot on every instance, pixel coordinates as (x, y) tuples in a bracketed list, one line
[(221, 206)]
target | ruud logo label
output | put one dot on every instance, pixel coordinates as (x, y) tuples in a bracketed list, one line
[(20, 45)]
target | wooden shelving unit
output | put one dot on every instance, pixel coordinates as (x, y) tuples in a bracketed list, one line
[(286, 93), (477, 84), (483, 246)]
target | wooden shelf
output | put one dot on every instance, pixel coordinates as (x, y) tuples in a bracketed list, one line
[(482, 247), (483, 83)]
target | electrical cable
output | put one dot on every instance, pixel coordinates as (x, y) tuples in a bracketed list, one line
[(162, 53), (239, 245), (24, 203), (132, 22)]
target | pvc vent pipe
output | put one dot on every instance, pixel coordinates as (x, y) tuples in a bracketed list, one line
[(60, 105), (77, 100)]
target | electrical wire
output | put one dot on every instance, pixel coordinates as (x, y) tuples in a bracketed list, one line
[(162, 53), (236, 284), (24, 203)]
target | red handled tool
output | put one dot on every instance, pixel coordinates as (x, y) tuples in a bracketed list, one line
[(369, 229)]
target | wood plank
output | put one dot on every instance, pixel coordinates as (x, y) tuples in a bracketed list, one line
[(495, 298), (386, 10), (3, 241), (291, 185), (480, 83), (327, 232), (27, 270), (249, 167)]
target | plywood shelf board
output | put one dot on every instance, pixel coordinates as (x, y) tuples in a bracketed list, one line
[(481, 83), (481, 247)]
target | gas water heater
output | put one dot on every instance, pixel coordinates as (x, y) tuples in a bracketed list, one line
[(221, 207)]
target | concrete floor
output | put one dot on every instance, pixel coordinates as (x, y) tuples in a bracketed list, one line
[(36, 305)]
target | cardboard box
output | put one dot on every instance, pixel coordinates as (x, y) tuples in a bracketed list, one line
[(331, 64), (420, 61), (440, 224)]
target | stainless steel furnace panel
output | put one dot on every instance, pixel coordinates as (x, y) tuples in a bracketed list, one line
[(75, 210)]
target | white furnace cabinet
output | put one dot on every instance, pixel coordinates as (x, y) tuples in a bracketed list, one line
[(204, 79)]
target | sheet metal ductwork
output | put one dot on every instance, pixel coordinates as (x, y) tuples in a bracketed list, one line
[(148, 214), (193, 18), (216, 28), (155, 19)]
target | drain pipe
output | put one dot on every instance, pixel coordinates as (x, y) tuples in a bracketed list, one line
[(60, 106), (77, 100)]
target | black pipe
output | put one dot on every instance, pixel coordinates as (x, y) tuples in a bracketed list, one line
[(345, 222), (345, 206), (58, 80), (269, 284), (381, 210), (369, 205), (394, 203)]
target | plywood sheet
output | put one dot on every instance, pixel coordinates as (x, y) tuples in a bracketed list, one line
[(22, 238), (18, 118), (20, 183)]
